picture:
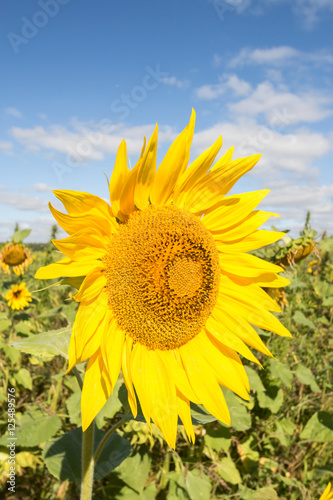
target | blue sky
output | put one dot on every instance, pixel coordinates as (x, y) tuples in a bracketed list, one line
[(78, 77)]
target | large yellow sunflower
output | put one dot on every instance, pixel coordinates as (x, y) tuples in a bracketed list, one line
[(15, 256), (169, 293), (18, 297)]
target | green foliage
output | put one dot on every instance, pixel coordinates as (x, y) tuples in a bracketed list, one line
[(277, 447)]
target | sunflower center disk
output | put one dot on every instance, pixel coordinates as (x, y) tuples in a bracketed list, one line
[(163, 274)]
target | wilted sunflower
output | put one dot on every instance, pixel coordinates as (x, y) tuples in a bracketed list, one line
[(168, 294), (18, 296), (15, 256), (328, 494)]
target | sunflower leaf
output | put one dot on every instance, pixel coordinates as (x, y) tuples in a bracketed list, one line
[(47, 344), (62, 455)]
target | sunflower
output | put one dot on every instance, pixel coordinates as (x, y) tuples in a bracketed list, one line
[(328, 494), (15, 256), (18, 296), (168, 291)]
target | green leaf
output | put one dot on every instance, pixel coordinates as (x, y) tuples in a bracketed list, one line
[(281, 371), (300, 319), (134, 471), (200, 415), (254, 379), (228, 471), (11, 353), (267, 493), (240, 417), (23, 378), (249, 455), (23, 328), (127, 493), (305, 376), (62, 455), (284, 431), (272, 399), (177, 487), (4, 324), (197, 485), (20, 235), (319, 428), (46, 345), (73, 405), (218, 439), (74, 282), (34, 431), (111, 407)]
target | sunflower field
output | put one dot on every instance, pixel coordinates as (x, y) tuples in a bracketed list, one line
[(278, 446)]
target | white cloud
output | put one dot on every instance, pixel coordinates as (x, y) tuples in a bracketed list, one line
[(24, 202), (6, 147), (175, 82), (272, 103), (40, 187), (83, 143), (310, 11), (13, 112), (41, 229), (294, 153), (227, 82), (278, 56)]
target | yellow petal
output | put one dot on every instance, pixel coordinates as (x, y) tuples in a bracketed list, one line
[(184, 411), (112, 347), (146, 172), (127, 196), (88, 329), (222, 359), (86, 244), (73, 223), (162, 393), (139, 375), (173, 165), (118, 178), (229, 339), (67, 267), (195, 171), (173, 364), (244, 228), (251, 294), (267, 280), (208, 192), (252, 241), (92, 285), (156, 393), (96, 389), (78, 202), (204, 382), (240, 327), (233, 209), (225, 159), (247, 265), (126, 369), (256, 316)]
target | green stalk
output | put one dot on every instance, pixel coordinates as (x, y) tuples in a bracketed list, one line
[(87, 462)]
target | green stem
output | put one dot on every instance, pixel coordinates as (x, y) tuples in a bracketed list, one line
[(78, 377), (106, 437), (87, 462)]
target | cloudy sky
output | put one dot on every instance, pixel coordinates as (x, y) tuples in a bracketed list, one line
[(78, 77)]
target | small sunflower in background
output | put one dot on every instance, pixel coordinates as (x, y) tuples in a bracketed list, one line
[(168, 293), (14, 255), (18, 297), (328, 493)]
